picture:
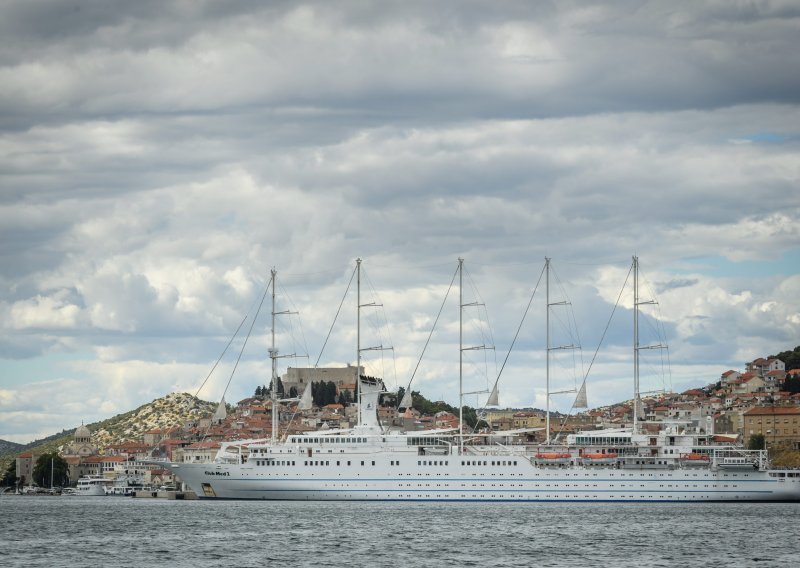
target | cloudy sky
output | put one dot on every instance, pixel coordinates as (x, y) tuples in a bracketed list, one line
[(158, 158)]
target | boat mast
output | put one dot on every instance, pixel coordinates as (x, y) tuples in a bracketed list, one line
[(547, 356), (549, 348), (273, 355), (635, 429), (358, 335), (460, 356)]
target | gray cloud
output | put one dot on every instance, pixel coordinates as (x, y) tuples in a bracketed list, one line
[(156, 158)]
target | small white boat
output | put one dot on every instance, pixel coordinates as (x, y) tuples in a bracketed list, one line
[(93, 485)]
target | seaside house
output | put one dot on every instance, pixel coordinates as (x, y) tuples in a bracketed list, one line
[(748, 383), (763, 366), (773, 380), (776, 423), (24, 467), (728, 377), (199, 452)]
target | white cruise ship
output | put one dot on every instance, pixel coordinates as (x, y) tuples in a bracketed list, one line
[(369, 463)]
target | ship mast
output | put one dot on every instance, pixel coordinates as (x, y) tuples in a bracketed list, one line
[(549, 304), (547, 357), (358, 335), (637, 393), (635, 429), (359, 349), (460, 356), (273, 355), (461, 349)]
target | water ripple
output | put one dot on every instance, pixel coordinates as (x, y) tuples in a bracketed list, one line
[(123, 532)]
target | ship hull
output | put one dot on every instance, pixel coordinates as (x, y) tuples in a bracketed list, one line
[(511, 480)]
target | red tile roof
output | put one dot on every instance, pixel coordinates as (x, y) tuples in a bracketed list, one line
[(773, 410)]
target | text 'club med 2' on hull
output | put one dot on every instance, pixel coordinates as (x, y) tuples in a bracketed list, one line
[(372, 462)]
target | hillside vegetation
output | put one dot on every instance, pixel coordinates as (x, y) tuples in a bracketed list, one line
[(175, 409)]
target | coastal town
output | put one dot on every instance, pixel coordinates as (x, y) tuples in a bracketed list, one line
[(757, 406)]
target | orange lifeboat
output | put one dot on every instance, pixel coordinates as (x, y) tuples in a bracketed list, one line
[(552, 458), (598, 459), (694, 460), (695, 457)]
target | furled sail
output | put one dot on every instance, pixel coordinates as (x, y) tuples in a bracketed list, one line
[(493, 397), (407, 401), (221, 413), (580, 399), (305, 400)]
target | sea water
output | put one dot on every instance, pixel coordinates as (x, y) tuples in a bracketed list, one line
[(124, 532)]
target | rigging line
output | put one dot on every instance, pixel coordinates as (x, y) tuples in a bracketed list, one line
[(588, 370), (411, 380), (519, 328), (409, 266), (571, 312), (516, 335), (510, 264), (235, 333), (335, 318), (300, 321), (480, 324), (608, 323), (379, 328), (485, 311), (229, 343), (249, 331), (266, 289), (661, 334), (612, 263)]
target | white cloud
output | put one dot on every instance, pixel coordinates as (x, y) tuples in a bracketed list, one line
[(50, 313), (159, 160)]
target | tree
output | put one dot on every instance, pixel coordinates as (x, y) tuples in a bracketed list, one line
[(293, 392), (792, 384), (756, 442), (790, 358), (9, 478), (47, 463), (315, 399), (330, 392)]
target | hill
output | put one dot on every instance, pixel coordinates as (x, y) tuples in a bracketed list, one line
[(6, 446), (175, 409)]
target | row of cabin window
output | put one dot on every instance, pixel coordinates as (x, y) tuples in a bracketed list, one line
[(307, 462), (325, 462), (467, 462), (492, 462), (393, 462), (331, 440)]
